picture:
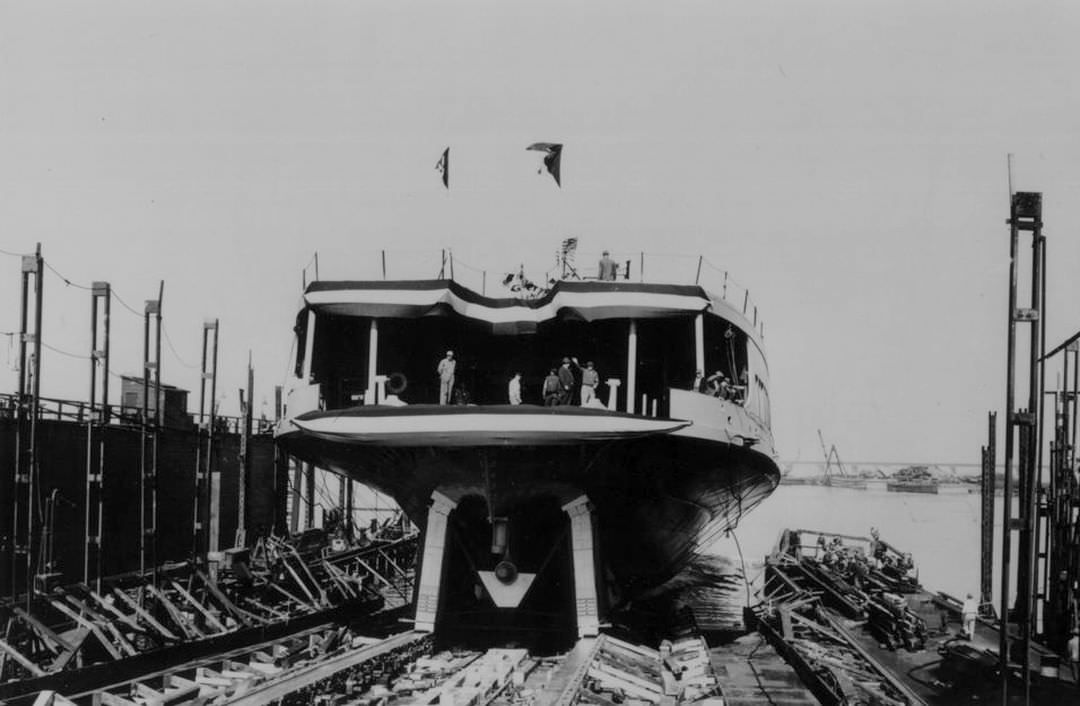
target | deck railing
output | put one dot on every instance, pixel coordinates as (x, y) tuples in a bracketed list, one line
[(53, 409), (581, 265)]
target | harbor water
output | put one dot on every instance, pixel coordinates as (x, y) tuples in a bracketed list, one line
[(940, 531)]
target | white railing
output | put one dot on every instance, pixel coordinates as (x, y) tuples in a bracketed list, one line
[(717, 419), (633, 266)]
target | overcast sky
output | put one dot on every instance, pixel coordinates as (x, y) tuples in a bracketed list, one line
[(846, 161)]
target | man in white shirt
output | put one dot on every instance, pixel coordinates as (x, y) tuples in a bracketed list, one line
[(513, 390), (968, 613), (446, 377), (589, 380)]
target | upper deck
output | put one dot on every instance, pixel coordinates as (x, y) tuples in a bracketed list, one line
[(647, 339), (646, 286)]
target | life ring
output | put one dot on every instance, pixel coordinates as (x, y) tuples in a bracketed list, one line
[(396, 383)]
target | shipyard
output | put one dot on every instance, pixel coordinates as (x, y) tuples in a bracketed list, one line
[(539, 354)]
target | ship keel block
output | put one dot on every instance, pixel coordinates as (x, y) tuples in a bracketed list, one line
[(581, 538), (506, 595), (431, 570)]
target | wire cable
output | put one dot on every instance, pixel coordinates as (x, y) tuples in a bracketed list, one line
[(169, 343), (124, 303), (66, 281), (63, 352)]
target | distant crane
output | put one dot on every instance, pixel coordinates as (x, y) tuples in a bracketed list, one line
[(841, 478), (831, 454)]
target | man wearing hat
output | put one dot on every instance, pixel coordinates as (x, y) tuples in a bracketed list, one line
[(969, 611), (446, 377), (566, 382), (552, 390), (607, 268), (589, 380)]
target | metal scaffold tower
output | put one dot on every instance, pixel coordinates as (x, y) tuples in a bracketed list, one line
[(25, 522), (96, 423), (151, 428), (204, 456), (1060, 513), (1021, 429)]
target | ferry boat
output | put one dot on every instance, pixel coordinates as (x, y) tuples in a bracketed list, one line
[(538, 516)]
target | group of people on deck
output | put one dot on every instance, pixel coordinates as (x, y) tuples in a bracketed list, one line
[(720, 385), (558, 387), (559, 384)]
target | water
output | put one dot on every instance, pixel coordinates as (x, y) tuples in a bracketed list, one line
[(940, 531)]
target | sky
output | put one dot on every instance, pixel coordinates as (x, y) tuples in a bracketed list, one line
[(845, 161)]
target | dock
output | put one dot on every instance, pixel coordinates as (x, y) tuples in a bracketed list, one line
[(878, 634)]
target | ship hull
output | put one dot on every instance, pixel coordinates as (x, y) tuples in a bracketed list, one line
[(656, 496)]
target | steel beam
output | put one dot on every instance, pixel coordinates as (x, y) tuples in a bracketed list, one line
[(204, 455), (96, 423)]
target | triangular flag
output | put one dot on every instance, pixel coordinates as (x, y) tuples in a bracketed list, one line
[(444, 167), (552, 157)]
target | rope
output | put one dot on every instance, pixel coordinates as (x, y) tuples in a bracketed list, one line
[(731, 354), (290, 361), (742, 562), (169, 343), (461, 263)]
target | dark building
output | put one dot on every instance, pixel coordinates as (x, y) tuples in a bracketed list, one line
[(173, 400)]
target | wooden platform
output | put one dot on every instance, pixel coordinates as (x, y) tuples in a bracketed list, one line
[(864, 633)]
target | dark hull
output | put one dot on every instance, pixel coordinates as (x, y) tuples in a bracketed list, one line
[(656, 499), (929, 488)]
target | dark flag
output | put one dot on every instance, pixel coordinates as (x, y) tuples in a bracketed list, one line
[(552, 157), (444, 167)]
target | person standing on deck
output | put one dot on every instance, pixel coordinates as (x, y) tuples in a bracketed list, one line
[(446, 377), (589, 380), (552, 390), (566, 380), (968, 612), (607, 268), (513, 390)]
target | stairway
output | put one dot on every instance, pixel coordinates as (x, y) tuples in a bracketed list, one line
[(398, 592)]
